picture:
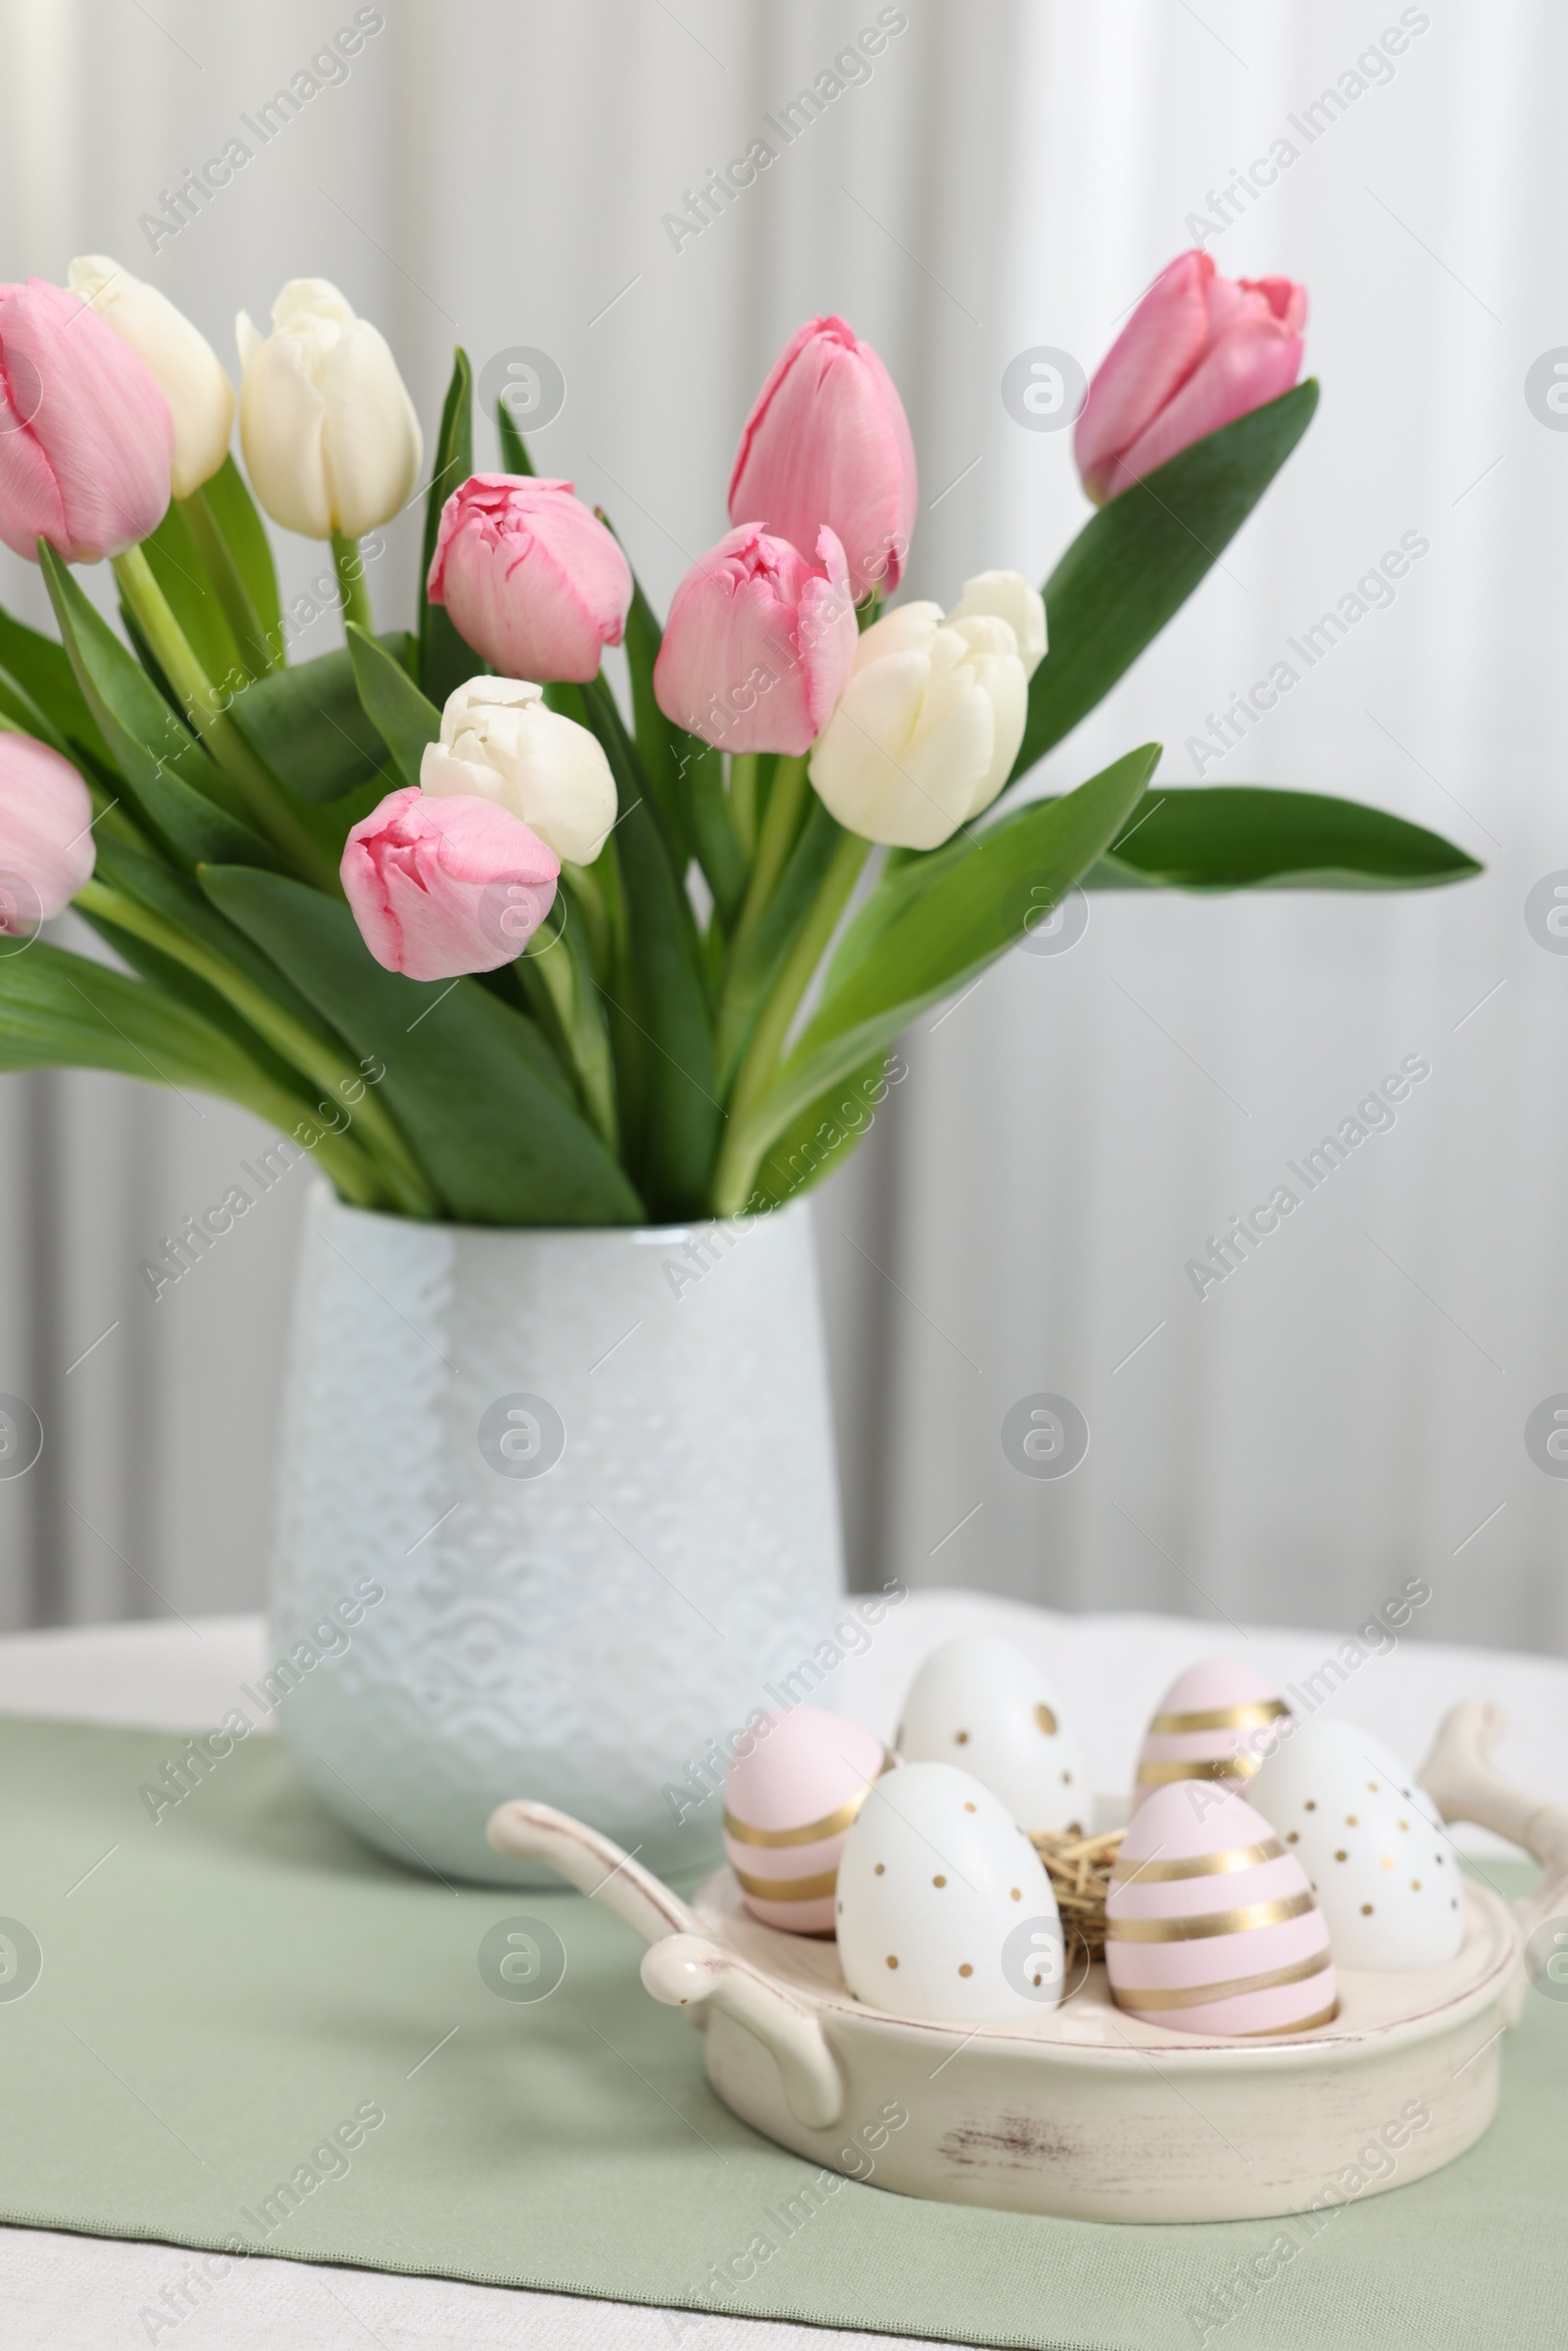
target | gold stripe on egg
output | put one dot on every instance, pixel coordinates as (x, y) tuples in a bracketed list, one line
[(1200, 1865), (1199, 1995), (1210, 1921), (830, 1824), (789, 1890), (1251, 1716), (1324, 2016), (1156, 1773)]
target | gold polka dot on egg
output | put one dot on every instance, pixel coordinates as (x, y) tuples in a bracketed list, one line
[(938, 1881), (966, 1969), (1046, 1720)]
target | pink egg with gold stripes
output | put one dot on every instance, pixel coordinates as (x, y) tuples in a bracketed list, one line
[(1214, 1723), (799, 1778), (1210, 1924)]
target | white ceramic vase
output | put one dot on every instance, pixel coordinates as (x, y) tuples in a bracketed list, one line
[(592, 1473)]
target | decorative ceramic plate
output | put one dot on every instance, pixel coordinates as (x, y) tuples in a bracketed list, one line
[(1091, 2111)]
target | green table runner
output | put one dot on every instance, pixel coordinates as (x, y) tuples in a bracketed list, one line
[(246, 2029)]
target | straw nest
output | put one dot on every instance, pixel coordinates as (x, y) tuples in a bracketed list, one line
[(1079, 1869)]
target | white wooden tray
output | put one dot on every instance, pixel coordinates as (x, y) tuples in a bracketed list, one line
[(1091, 2111)]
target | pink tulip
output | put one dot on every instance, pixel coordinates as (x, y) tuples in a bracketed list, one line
[(440, 886), (532, 580), (760, 643), (1198, 352), (86, 439), (47, 843), (828, 442)]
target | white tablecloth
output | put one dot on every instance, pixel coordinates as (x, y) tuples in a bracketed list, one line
[(74, 2293)]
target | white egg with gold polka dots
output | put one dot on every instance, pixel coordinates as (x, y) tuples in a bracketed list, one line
[(979, 1703), (945, 1911), (1375, 1852)]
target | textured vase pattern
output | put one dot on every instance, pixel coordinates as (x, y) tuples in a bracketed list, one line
[(587, 1587)]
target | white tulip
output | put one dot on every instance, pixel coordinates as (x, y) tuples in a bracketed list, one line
[(500, 740), (1009, 597), (178, 358), (330, 438), (926, 731)]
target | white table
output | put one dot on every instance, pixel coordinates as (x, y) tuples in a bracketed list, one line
[(80, 2294)]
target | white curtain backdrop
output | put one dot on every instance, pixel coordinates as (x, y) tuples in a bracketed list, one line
[(1348, 1409)]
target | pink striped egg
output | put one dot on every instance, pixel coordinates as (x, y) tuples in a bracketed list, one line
[(789, 1801), (1216, 1722), (1210, 1923)]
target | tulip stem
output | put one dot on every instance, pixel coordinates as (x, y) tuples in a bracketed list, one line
[(262, 792), (312, 1056), (743, 798), (228, 584), (349, 564), (738, 1161), (562, 972), (781, 821)]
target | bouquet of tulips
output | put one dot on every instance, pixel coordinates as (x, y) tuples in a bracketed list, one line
[(497, 944)]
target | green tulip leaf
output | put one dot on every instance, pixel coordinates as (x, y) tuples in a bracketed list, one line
[(515, 458), (43, 669), (21, 715), (819, 1141), (759, 962), (657, 742), (311, 726), (1253, 837), (178, 792), (178, 568), (404, 718), (445, 660), (661, 1024), (234, 513), (470, 1083), (1136, 563), (57, 1008), (940, 936)]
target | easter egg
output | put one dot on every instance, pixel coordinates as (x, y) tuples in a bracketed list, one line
[(1371, 1843), (1212, 1723), (945, 1911), (978, 1702), (799, 1778), (1210, 1925)]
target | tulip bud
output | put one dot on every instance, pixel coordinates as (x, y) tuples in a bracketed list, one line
[(46, 844), (760, 644), (828, 442), (181, 361), (85, 434), (442, 887), (330, 438), (1198, 352), (501, 742), (928, 727), (533, 581)]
